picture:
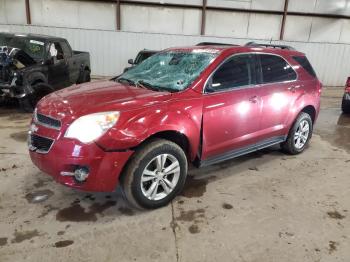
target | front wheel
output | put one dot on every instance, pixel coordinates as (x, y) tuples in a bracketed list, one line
[(155, 174), (28, 103), (84, 77), (299, 135)]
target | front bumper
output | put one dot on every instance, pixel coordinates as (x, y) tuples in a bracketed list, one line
[(13, 91), (66, 154)]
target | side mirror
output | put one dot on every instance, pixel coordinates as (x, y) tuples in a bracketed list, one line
[(131, 61), (209, 87)]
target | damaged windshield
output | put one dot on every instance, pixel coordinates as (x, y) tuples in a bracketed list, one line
[(169, 70), (34, 48)]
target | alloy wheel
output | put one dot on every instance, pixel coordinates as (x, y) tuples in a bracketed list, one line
[(160, 177), (302, 134)]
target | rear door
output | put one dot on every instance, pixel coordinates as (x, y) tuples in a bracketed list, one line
[(230, 108), (279, 91)]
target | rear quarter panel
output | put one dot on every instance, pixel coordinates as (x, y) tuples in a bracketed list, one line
[(309, 93)]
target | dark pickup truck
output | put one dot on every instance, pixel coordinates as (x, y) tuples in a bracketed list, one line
[(32, 66)]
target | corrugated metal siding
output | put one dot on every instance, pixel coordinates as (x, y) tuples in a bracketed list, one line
[(110, 50)]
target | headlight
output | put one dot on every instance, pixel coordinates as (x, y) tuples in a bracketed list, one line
[(90, 127)]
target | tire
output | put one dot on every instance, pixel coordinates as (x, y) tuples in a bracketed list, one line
[(28, 103), (291, 145), (345, 106), (145, 158), (84, 77), (8, 101)]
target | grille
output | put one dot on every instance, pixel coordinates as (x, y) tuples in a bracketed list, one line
[(48, 121), (40, 144)]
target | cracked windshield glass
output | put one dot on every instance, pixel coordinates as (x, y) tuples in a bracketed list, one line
[(169, 71)]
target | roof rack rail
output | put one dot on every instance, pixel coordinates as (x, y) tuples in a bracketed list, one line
[(213, 43), (253, 44)]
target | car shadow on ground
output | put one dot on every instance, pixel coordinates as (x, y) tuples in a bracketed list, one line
[(69, 205)]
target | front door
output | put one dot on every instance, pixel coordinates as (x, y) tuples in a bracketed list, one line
[(230, 108)]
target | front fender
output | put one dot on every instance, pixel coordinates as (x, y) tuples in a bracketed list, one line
[(135, 126)]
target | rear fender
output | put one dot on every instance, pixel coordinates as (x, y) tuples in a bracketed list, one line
[(300, 104)]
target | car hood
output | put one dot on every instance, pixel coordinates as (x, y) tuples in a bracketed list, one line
[(99, 96)]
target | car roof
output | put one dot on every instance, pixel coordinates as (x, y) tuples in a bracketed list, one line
[(43, 38), (238, 49), (148, 51)]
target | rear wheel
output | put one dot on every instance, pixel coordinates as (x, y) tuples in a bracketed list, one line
[(84, 77), (155, 174), (299, 135), (345, 106)]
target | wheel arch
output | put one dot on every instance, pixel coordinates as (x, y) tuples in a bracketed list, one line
[(36, 77), (311, 111), (86, 67), (172, 135)]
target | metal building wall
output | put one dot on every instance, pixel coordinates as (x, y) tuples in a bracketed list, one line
[(306, 20), (110, 50)]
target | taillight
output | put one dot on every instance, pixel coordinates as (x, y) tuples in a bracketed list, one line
[(320, 86), (347, 85)]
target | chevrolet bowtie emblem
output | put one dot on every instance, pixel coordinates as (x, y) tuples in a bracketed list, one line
[(34, 128)]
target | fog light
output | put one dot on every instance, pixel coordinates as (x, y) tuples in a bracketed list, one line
[(81, 174)]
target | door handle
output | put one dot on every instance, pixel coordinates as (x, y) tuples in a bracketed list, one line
[(294, 88), (253, 99)]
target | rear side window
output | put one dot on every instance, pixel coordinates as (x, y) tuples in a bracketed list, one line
[(235, 72), (275, 69), (302, 60), (66, 49)]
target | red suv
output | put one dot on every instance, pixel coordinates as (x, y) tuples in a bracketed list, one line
[(201, 104), (345, 105)]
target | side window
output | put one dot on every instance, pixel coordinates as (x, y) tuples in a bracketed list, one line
[(233, 73), (276, 69), (66, 50), (59, 55), (302, 60)]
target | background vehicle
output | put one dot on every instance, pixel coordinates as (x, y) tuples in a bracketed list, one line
[(141, 56), (345, 105), (202, 104), (32, 66)]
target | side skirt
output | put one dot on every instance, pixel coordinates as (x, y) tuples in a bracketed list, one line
[(242, 151)]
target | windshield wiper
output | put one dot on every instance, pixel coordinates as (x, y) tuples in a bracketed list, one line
[(147, 85), (123, 79), (154, 87)]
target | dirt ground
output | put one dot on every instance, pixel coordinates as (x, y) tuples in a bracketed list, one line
[(263, 207)]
